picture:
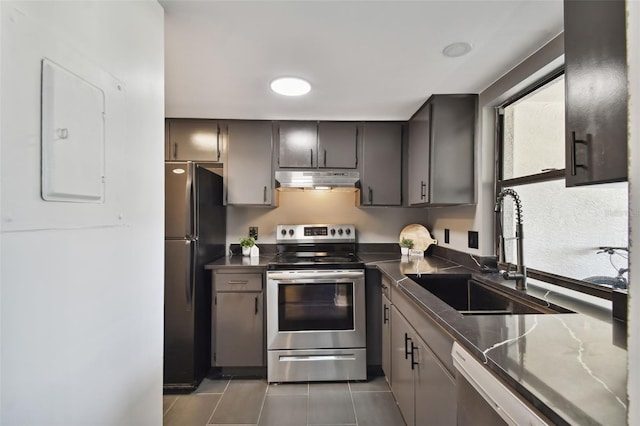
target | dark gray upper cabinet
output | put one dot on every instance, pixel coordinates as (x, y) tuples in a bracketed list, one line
[(297, 144), (309, 144), (452, 153), (419, 135), (382, 164), (337, 145), (248, 167), (596, 91), (193, 140), (442, 151)]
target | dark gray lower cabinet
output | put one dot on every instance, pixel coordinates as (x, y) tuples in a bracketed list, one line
[(424, 390), (421, 375), (386, 338), (435, 388), (374, 326), (238, 317), (403, 376)]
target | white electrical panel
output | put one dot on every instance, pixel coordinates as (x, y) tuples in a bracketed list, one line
[(73, 136)]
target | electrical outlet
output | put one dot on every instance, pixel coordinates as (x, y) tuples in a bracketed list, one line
[(446, 236), (473, 239), (253, 232)]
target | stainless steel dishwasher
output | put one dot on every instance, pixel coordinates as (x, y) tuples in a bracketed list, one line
[(483, 400)]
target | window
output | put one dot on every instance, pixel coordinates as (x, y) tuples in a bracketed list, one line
[(567, 231)]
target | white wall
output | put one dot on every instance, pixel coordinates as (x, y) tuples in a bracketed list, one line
[(373, 225), (633, 59), (82, 285)]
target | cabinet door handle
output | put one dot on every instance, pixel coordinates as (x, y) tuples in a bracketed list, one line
[(325, 158), (191, 273), (175, 150), (385, 317), (218, 144), (574, 142), (256, 305), (413, 361), (311, 151), (423, 189), (357, 133), (407, 339), (370, 195), (265, 195)]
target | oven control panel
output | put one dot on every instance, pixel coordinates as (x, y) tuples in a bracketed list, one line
[(316, 233)]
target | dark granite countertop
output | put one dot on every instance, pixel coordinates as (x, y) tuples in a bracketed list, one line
[(567, 365), (240, 262)]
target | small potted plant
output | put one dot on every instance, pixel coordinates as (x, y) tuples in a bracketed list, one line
[(247, 243), (406, 244)]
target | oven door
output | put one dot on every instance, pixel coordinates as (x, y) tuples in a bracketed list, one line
[(315, 309)]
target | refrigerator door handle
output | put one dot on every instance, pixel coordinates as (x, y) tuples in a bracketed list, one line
[(191, 273), (192, 203)]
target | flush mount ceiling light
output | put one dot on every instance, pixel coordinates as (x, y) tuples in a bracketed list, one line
[(290, 86), (457, 49)]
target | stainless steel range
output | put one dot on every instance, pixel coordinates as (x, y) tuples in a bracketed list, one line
[(316, 306)]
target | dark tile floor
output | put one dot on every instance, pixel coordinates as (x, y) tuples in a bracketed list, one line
[(253, 402)]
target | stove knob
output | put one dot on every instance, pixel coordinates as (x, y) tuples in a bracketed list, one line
[(347, 231), (340, 231), (291, 232), (333, 231), (283, 232)]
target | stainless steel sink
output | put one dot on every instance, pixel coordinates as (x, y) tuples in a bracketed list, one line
[(471, 297)]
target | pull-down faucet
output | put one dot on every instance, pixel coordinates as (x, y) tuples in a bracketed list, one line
[(520, 275)]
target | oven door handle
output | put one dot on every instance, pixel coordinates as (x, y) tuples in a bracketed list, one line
[(286, 277)]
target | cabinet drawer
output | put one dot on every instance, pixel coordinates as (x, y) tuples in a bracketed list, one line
[(238, 282)]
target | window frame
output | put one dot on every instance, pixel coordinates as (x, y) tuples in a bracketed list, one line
[(557, 174)]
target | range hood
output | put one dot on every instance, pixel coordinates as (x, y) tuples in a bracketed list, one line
[(317, 180)]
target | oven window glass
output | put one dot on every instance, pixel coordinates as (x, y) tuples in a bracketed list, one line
[(317, 306)]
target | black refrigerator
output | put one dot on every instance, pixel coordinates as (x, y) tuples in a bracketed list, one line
[(195, 232)]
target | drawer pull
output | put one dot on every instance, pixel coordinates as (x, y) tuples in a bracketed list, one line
[(238, 282)]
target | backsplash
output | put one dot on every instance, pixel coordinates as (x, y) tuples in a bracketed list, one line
[(373, 224)]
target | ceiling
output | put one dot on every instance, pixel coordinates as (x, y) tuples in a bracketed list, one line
[(366, 60)]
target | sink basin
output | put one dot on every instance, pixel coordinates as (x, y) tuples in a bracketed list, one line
[(471, 297)]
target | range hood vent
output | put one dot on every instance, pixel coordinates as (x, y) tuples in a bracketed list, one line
[(317, 179)]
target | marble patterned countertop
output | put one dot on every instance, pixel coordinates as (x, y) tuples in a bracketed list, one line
[(572, 367)]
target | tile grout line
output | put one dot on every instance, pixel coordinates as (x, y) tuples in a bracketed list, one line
[(171, 406), (219, 401), (353, 405), (308, 398), (264, 400)]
